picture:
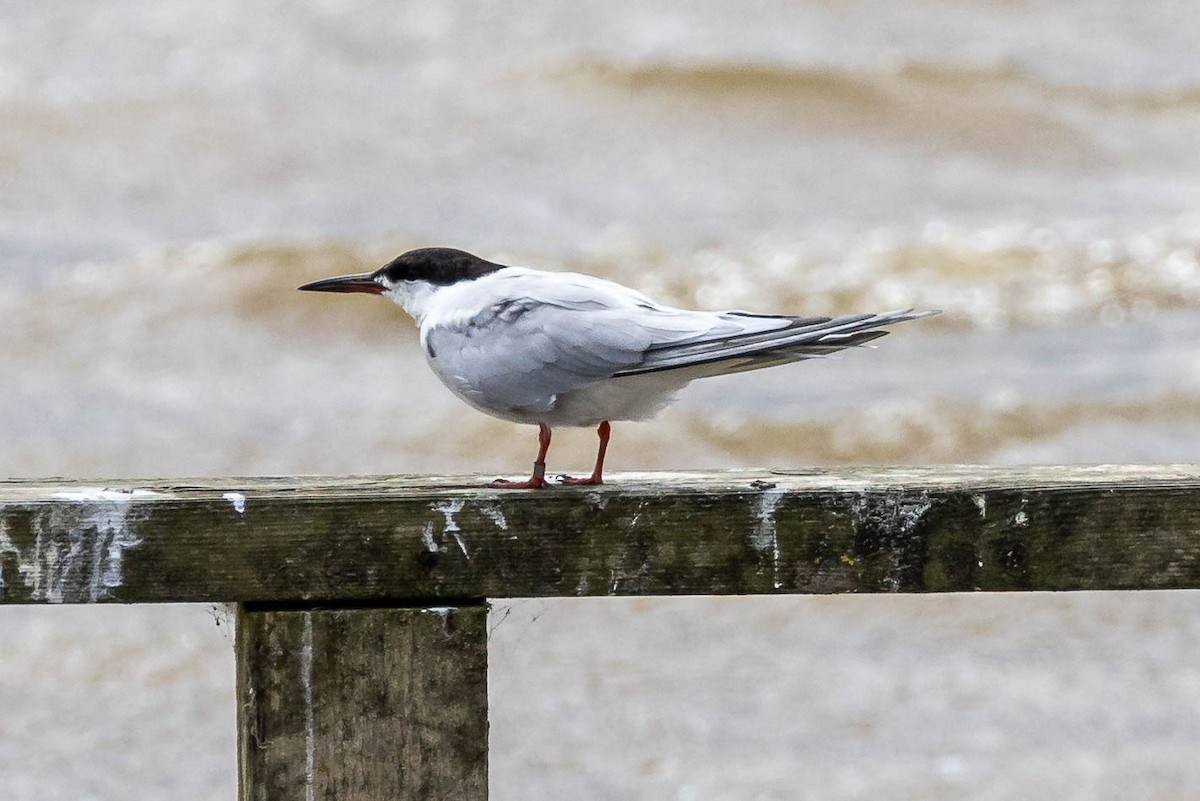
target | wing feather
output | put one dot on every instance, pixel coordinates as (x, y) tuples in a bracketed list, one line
[(551, 333), (803, 338)]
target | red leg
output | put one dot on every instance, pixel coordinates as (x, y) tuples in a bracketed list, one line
[(538, 479), (597, 476)]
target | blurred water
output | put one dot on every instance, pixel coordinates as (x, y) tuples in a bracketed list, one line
[(557, 128), (169, 174)]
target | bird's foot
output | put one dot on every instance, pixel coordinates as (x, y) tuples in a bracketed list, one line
[(533, 482), (590, 481)]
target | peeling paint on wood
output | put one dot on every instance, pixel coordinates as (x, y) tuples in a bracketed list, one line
[(72, 547), (906, 529), (237, 500), (765, 535)]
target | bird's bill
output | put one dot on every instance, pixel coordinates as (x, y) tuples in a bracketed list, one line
[(364, 282)]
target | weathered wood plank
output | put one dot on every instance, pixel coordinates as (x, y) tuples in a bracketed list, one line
[(363, 704), (378, 538)]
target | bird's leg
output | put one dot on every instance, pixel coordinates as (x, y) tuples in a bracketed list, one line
[(538, 479), (597, 476)]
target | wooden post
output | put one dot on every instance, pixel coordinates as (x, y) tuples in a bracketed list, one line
[(362, 704)]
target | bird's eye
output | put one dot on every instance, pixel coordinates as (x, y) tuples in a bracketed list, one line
[(393, 277)]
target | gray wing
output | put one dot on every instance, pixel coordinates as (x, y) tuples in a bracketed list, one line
[(801, 338), (521, 354), (554, 333)]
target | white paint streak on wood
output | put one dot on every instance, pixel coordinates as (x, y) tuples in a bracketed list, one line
[(78, 546), (495, 514), (306, 666), (237, 499), (462, 546), (427, 539), (637, 514), (765, 537), (980, 504), (449, 509), (6, 546)]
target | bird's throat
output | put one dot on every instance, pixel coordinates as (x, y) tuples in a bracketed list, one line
[(413, 296)]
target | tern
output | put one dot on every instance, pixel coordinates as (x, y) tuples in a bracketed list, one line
[(566, 349)]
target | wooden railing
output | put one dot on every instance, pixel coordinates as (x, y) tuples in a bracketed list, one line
[(361, 627)]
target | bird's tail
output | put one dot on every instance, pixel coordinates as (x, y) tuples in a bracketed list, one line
[(801, 338)]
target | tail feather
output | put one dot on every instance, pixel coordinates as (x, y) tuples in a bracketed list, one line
[(804, 338)]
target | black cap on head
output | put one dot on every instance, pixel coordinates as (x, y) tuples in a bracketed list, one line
[(442, 266)]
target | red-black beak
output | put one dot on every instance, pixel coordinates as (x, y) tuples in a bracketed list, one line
[(364, 282)]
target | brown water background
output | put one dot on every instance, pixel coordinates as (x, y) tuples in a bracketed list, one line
[(170, 173)]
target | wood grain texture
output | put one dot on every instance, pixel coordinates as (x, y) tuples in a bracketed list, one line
[(375, 539), (363, 704)]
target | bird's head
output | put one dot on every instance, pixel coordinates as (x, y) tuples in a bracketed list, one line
[(411, 275)]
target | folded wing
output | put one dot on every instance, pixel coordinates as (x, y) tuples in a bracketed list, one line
[(797, 339), (554, 333)]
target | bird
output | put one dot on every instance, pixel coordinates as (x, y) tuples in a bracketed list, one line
[(558, 349)]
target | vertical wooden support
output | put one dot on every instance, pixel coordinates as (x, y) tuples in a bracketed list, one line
[(362, 704)]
